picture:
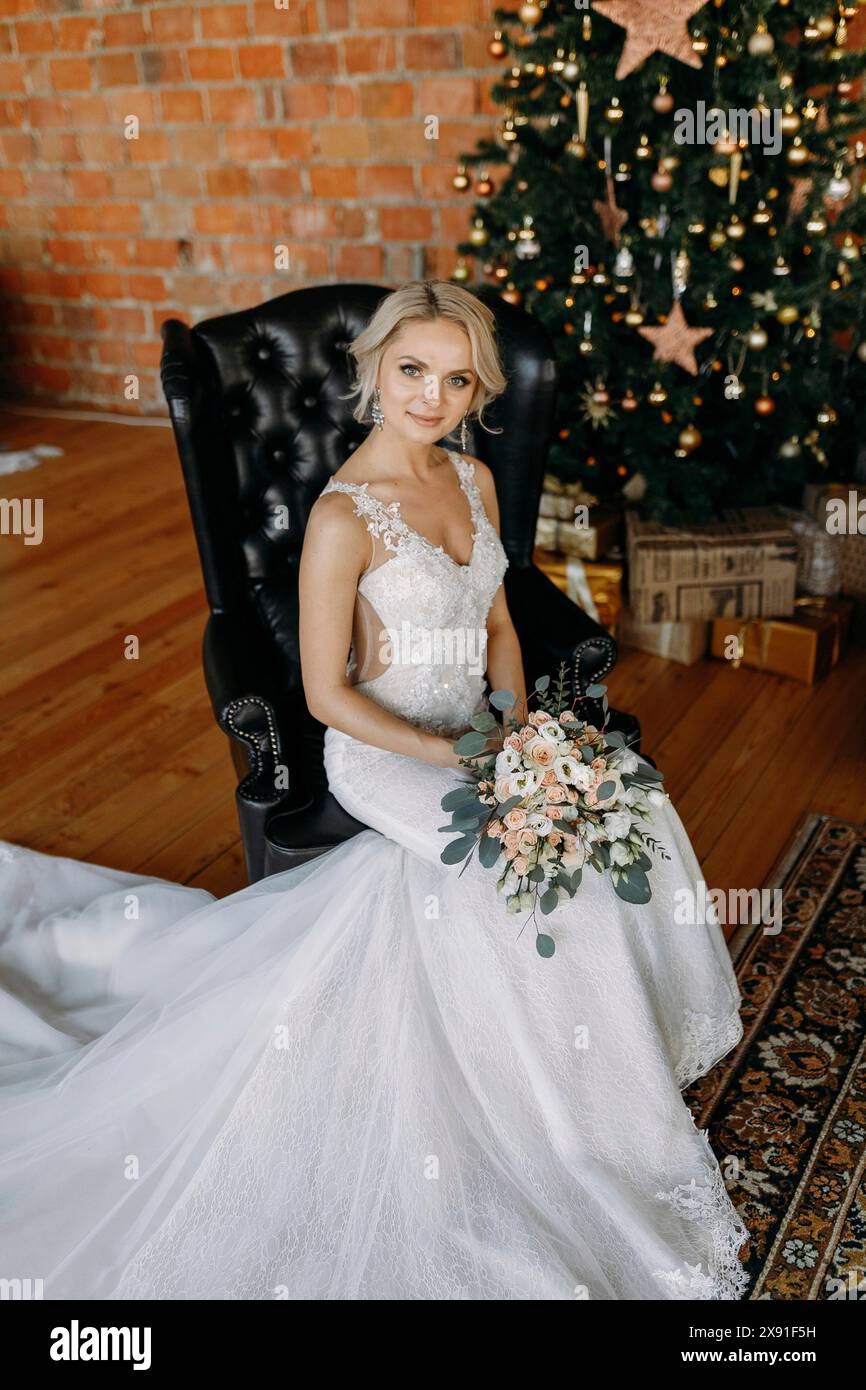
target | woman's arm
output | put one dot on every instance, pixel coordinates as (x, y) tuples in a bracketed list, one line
[(334, 556), (504, 657)]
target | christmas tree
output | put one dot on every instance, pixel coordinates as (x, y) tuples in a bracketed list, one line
[(676, 190)]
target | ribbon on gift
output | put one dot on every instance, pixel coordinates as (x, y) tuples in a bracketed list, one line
[(764, 634)]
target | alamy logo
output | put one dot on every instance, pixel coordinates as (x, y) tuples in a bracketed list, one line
[(21, 1290), (709, 126), (22, 516), (77, 1343)]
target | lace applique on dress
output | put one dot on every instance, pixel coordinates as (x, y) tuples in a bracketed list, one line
[(707, 1040), (709, 1204)]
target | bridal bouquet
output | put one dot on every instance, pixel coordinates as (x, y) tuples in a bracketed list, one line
[(557, 794)]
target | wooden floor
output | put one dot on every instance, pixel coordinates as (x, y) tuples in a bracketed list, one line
[(119, 761)]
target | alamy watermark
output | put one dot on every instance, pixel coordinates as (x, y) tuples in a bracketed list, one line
[(733, 906), (22, 516), (711, 125), (413, 645)]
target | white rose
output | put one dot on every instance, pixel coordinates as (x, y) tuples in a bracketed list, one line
[(574, 858), (552, 731), (617, 824), (628, 762), (656, 798), (619, 853), (501, 788), (522, 783), (542, 825), (508, 761)]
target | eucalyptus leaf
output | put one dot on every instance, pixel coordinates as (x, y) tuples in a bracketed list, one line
[(536, 874), (615, 739), (633, 885), (470, 744), (594, 691), (605, 790), (501, 699), (451, 800), (542, 683), (545, 945), (457, 850), (483, 721), (489, 851), (548, 900)]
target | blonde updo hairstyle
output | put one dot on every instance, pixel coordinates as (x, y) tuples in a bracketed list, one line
[(426, 300)]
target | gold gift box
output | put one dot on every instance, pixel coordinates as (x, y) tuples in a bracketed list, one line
[(804, 646), (556, 529), (604, 579)]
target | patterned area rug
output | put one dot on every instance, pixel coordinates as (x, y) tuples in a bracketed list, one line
[(786, 1110)]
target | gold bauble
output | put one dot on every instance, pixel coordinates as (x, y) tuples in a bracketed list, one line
[(576, 148), (849, 250), (478, 233), (736, 229), (765, 405), (658, 395), (644, 150), (496, 48), (717, 238), (797, 153), (817, 224), (586, 346), (718, 175), (790, 121), (661, 180), (844, 88), (861, 350), (529, 14), (827, 415), (663, 102), (460, 179), (757, 338), (761, 43), (613, 111), (511, 294), (634, 318), (826, 26), (460, 273), (689, 438), (787, 313), (737, 263), (630, 402), (484, 187), (601, 396)]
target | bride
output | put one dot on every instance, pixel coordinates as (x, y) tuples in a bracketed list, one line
[(357, 1079)]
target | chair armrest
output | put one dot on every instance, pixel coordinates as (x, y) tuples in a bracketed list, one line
[(552, 629)]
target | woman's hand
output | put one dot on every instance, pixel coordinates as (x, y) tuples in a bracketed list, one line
[(444, 755)]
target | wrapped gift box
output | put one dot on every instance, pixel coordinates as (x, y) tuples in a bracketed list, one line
[(595, 586), (743, 565), (682, 642), (805, 645), (846, 522), (598, 531)]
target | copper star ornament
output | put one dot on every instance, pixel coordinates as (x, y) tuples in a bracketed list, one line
[(801, 192), (675, 341), (652, 26), (611, 217)]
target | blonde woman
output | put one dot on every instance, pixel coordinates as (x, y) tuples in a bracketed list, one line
[(357, 1079)]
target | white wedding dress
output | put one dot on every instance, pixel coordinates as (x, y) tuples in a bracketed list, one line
[(358, 1079)]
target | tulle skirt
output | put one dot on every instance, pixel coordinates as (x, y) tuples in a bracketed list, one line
[(358, 1079)]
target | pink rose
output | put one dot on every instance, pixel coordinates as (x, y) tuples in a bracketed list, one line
[(568, 716), (539, 717), (520, 864), (599, 763), (514, 741), (549, 778), (555, 794), (494, 827), (541, 752), (527, 841), (511, 853), (572, 796), (554, 838), (516, 819), (512, 839)]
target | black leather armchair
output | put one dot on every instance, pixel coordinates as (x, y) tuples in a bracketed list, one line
[(255, 402)]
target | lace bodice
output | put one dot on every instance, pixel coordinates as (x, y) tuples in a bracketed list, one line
[(425, 614)]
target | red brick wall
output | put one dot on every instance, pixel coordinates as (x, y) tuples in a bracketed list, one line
[(259, 128)]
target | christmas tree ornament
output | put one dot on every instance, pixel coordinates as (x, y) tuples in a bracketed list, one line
[(576, 148), (527, 242), (596, 409), (663, 102), (790, 448), (623, 265), (675, 340), (861, 350), (652, 27), (801, 192), (690, 439), (571, 71), (644, 149), (718, 174), (700, 44), (736, 229), (511, 294), (797, 153), (839, 185), (661, 180), (629, 402), (790, 120), (736, 169), (756, 338), (582, 107), (725, 145), (460, 180), (825, 25), (764, 405), (737, 264), (658, 395), (717, 239), (611, 217), (761, 44), (681, 266), (787, 313), (460, 273), (558, 63), (827, 416), (496, 47), (478, 233), (849, 250), (613, 112), (484, 185), (507, 130), (780, 266), (762, 215), (529, 14), (844, 87)]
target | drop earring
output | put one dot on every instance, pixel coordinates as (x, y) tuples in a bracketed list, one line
[(376, 410), (464, 434)]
